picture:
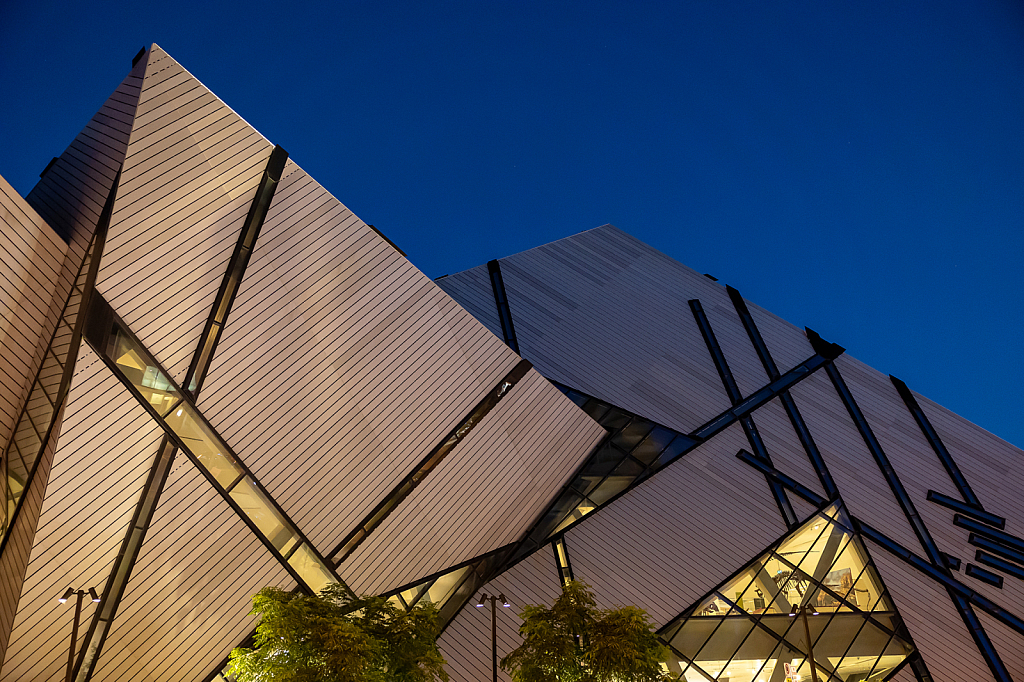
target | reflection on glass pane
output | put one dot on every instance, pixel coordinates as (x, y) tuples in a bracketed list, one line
[(692, 675), (148, 380), (652, 446), (586, 482), (794, 548), (719, 649), (266, 517), (750, 657), (612, 486), (446, 584), (758, 592), (413, 594), (632, 434), (202, 443), (614, 419), (691, 637), (309, 568), (576, 514), (861, 656)]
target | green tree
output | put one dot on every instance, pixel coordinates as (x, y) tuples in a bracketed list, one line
[(335, 637), (574, 641)]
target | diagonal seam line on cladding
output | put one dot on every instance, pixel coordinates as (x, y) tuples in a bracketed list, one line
[(120, 573), (419, 473), (788, 403), (700, 435), (964, 608), (961, 595), (84, 291), (735, 397), (104, 327)]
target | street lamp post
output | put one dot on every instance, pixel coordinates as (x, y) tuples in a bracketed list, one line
[(494, 626), (74, 628), (807, 630)]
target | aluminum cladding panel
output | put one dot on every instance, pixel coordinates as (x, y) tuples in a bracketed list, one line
[(190, 175), (187, 603), (106, 444), (606, 314), (31, 257), (466, 642), (486, 494), (341, 365)]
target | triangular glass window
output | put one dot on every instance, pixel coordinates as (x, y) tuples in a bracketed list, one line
[(745, 630)]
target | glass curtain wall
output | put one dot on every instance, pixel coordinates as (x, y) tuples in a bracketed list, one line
[(752, 628)]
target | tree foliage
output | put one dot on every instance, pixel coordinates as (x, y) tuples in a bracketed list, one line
[(336, 637), (574, 641)]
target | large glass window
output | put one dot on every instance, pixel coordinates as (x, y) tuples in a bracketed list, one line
[(181, 419), (745, 629)]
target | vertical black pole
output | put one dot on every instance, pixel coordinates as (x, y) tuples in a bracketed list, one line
[(810, 649), (74, 635), (494, 636)]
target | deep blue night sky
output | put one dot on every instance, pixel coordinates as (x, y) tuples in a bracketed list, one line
[(855, 167)]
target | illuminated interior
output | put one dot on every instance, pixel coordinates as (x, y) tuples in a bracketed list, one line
[(817, 581)]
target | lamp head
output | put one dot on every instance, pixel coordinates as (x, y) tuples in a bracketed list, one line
[(67, 595), (483, 598), (504, 601), (792, 611), (92, 593)]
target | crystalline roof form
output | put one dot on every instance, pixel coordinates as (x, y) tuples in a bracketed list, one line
[(745, 630)]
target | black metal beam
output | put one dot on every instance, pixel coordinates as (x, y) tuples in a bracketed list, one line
[(508, 329), (121, 570), (789, 516), (932, 436)]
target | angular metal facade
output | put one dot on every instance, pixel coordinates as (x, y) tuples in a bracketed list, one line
[(215, 377)]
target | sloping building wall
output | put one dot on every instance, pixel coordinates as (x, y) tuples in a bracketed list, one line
[(486, 494), (106, 444), (31, 255), (190, 173), (466, 642)]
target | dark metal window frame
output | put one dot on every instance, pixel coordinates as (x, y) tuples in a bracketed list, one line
[(103, 321), (135, 536), (961, 594), (93, 251), (821, 505), (788, 404), (984, 576), (932, 436), (966, 509), (698, 436), (400, 492), (565, 574)]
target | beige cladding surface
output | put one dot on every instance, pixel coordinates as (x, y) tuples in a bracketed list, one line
[(487, 493), (933, 621), (342, 365), (1008, 643), (106, 445), (473, 290), (607, 315), (860, 481), (920, 470), (15, 558), (187, 603), (466, 642), (674, 537), (787, 452), (190, 175), (31, 258)]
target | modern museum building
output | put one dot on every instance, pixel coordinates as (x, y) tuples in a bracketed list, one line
[(216, 378)]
